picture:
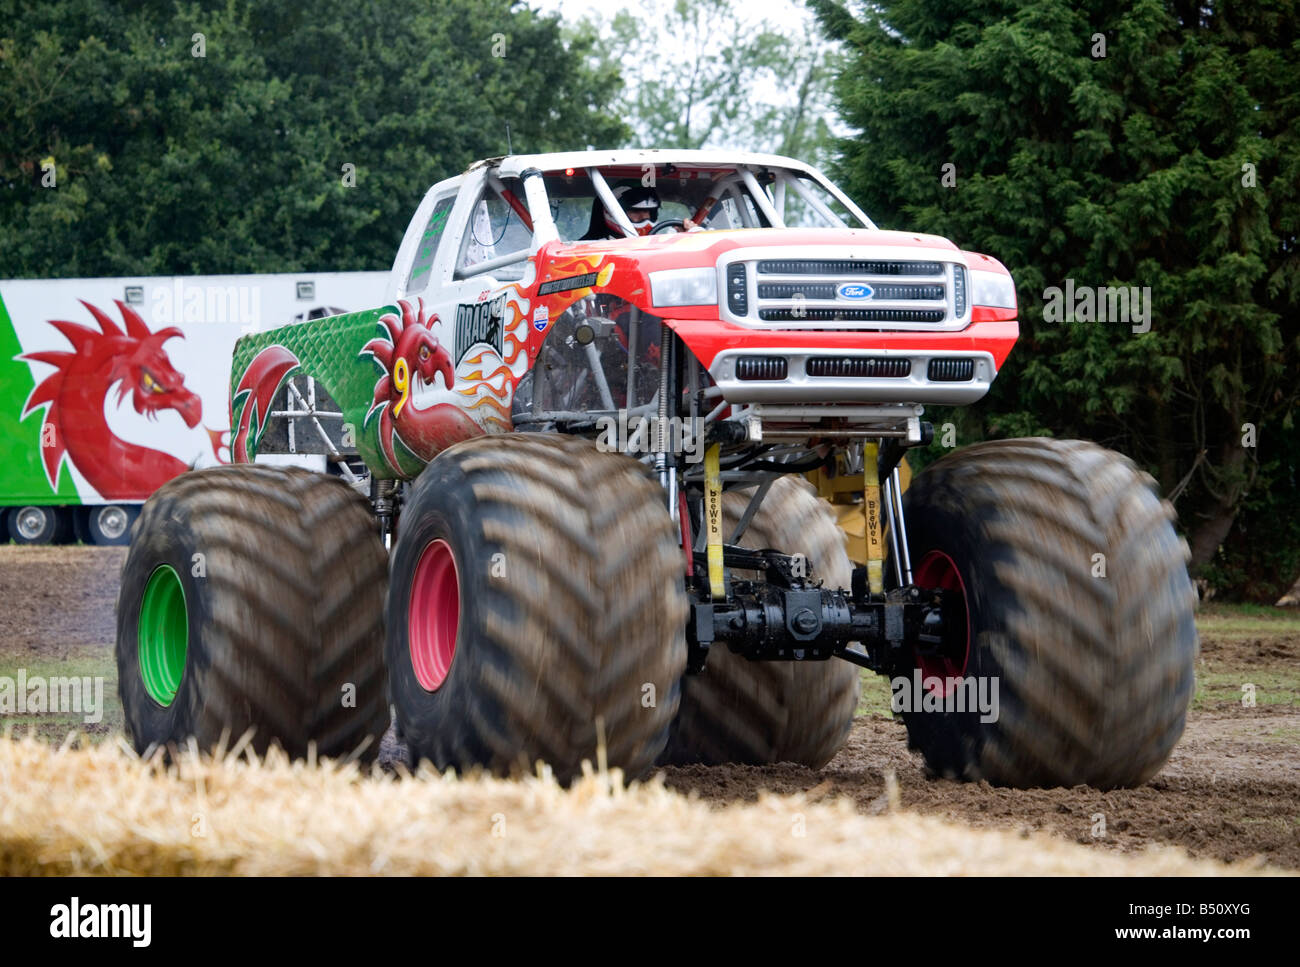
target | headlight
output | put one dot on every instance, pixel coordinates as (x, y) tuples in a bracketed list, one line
[(992, 289), (684, 287)]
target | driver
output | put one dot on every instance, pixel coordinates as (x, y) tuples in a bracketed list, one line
[(640, 204)]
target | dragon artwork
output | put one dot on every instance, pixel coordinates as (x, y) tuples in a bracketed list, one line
[(75, 426), (252, 399), (408, 404), (415, 408)]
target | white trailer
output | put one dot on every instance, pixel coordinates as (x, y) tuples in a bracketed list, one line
[(111, 387)]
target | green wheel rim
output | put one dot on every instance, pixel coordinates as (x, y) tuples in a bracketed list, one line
[(163, 634)]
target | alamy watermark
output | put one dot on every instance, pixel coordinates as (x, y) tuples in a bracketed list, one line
[(75, 920), (38, 695), (930, 693), (652, 434), (184, 302), (1105, 303)]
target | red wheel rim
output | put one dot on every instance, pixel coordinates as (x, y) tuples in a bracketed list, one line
[(937, 570), (434, 616)]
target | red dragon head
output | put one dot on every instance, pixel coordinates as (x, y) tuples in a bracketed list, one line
[(75, 394), (148, 374), (411, 356)]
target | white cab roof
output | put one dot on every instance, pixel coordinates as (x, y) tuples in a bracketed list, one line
[(515, 164)]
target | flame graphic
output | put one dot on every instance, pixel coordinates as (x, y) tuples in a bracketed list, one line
[(503, 390), (575, 265), (489, 401), (514, 346), (488, 393)]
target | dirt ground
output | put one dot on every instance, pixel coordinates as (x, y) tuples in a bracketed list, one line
[(57, 600), (1230, 791)]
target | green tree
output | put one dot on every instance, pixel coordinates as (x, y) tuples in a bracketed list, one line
[(704, 73), (234, 161), (1144, 144)]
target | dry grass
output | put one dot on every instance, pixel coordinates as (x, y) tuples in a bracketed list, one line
[(100, 810)]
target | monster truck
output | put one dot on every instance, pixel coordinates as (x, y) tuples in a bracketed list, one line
[(593, 524)]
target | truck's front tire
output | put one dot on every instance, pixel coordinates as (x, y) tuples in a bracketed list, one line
[(1079, 612), (536, 588), (252, 597)]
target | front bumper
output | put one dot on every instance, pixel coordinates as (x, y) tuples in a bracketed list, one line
[(800, 386), (720, 346)]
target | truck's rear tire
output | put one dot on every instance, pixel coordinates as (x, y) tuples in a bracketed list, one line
[(536, 587), (37, 524), (757, 712), (253, 597), (1079, 608)]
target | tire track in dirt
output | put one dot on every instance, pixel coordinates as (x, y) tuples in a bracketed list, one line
[(1230, 791)]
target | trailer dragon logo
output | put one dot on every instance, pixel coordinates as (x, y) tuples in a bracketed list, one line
[(75, 426), (410, 407)]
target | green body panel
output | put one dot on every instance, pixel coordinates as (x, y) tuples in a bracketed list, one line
[(330, 351), (20, 439)]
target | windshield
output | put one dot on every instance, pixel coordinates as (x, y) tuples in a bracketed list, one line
[(714, 198)]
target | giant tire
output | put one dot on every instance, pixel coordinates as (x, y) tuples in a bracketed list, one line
[(551, 595), (758, 712), (1094, 673), (276, 587)]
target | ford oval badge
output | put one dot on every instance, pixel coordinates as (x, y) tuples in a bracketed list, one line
[(854, 290)]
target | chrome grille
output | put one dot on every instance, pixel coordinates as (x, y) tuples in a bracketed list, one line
[(847, 293)]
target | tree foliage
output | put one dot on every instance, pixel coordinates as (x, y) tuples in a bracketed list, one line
[(233, 161), (1150, 144), (708, 73)]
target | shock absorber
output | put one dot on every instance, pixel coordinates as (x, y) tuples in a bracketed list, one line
[(872, 507), (383, 497), (666, 467)]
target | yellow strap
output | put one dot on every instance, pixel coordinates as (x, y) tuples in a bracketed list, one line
[(871, 505), (713, 520)]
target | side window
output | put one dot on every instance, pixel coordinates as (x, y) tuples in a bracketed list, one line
[(428, 247), (495, 229)]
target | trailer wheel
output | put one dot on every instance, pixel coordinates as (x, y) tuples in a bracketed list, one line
[(758, 712), (108, 525), (37, 524), (253, 597), (536, 589), (1078, 608)]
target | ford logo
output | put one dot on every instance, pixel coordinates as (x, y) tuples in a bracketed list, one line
[(855, 290)]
